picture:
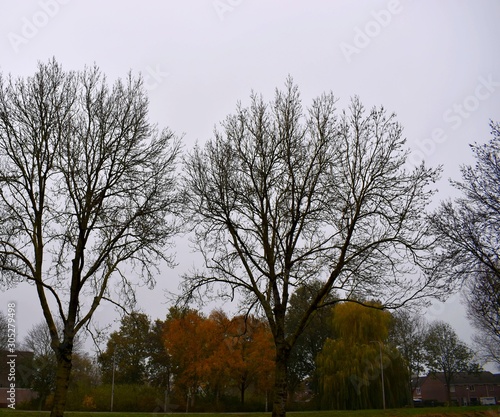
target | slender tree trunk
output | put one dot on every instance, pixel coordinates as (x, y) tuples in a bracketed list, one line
[(280, 381), (411, 390), (63, 373), (447, 380), (42, 399)]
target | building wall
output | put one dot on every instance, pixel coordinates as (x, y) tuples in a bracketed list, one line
[(433, 389), (470, 394), (23, 367), (465, 391), (18, 374), (19, 396)]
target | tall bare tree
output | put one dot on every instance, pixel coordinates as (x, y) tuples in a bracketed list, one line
[(282, 197), (468, 229), (87, 187), (482, 297)]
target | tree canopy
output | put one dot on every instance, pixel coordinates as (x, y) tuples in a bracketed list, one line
[(128, 350), (352, 365), (87, 185), (284, 195), (468, 232), (215, 352), (445, 352)]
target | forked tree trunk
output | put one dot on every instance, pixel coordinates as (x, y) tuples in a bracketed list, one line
[(63, 373)]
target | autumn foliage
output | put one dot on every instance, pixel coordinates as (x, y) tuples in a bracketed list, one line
[(217, 356)]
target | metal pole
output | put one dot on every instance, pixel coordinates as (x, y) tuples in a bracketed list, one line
[(113, 381), (382, 375), (381, 370)]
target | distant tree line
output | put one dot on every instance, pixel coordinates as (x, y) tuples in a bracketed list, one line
[(194, 362)]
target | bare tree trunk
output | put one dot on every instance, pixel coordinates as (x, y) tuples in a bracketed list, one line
[(280, 381), (62, 381), (411, 389)]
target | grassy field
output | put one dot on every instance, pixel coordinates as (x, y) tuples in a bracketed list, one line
[(414, 412)]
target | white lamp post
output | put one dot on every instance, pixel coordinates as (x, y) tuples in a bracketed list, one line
[(381, 371)]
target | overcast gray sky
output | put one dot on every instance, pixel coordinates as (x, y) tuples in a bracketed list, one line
[(434, 63)]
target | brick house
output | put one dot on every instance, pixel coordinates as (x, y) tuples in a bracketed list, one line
[(466, 389)]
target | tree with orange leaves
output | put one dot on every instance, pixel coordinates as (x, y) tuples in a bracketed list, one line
[(212, 354), (253, 354), (188, 340)]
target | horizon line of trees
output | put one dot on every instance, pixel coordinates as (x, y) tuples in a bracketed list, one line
[(196, 362)]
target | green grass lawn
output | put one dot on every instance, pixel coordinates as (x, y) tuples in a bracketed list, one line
[(416, 412)]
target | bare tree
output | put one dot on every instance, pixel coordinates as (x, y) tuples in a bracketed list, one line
[(87, 187), (468, 230), (487, 347), (282, 197), (41, 375), (38, 340), (482, 297), (43, 368)]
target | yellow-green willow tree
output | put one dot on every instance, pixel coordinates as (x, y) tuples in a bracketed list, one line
[(284, 195), (350, 366)]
